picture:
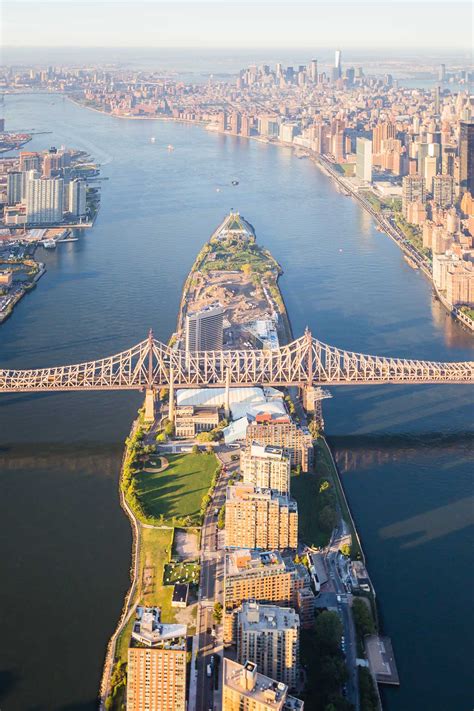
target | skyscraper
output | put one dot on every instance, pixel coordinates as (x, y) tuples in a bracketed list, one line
[(44, 200), (443, 190), (337, 63), (364, 159), (204, 329), (313, 71), (77, 198), (466, 157), (14, 187), (413, 190)]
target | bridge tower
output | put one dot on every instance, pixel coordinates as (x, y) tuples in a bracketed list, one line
[(312, 397), (150, 393)]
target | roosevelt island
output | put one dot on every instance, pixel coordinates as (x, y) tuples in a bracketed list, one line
[(249, 586)]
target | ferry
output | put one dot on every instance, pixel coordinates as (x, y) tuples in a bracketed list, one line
[(170, 147), (49, 244), (152, 139)]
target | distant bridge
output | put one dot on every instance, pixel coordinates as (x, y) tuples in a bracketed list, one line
[(305, 361)]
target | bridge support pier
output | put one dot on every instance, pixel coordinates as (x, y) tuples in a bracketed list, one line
[(149, 405), (227, 395), (171, 398), (312, 402)]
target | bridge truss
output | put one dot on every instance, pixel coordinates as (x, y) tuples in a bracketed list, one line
[(305, 361)]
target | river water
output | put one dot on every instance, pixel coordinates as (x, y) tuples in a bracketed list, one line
[(403, 451)]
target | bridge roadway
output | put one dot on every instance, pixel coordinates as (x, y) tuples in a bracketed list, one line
[(303, 362)]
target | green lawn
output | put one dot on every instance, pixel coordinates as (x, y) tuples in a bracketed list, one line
[(304, 488), (181, 573), (176, 492)]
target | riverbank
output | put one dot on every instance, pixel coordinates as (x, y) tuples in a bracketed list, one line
[(327, 167)]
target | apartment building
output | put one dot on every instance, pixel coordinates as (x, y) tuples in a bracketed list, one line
[(260, 518)]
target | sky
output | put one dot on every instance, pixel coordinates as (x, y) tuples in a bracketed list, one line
[(237, 24)]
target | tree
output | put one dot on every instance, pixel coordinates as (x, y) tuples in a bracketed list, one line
[(363, 619), (327, 518), (169, 429), (160, 437), (346, 550), (217, 612), (328, 632), (221, 519), (247, 269), (204, 437), (195, 449)]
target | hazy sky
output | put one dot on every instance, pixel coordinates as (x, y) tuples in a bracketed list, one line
[(241, 23)]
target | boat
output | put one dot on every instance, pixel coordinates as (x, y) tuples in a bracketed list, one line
[(49, 244), (152, 139), (235, 182), (170, 147), (410, 261)]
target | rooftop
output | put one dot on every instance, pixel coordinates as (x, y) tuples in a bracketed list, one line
[(257, 617), (245, 561), (151, 632)]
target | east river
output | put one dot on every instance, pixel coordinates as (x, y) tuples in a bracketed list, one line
[(403, 451)]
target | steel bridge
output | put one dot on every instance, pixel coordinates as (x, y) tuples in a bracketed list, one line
[(151, 365)]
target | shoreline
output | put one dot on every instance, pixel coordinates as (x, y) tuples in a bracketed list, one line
[(128, 608), (326, 167)]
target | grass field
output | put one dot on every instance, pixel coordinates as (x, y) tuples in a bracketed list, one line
[(304, 488), (176, 492), (181, 573)]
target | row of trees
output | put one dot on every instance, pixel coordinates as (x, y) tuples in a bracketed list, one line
[(326, 506), (324, 662)]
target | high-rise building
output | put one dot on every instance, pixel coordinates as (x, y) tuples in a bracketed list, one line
[(204, 329), (294, 439), (260, 518), (222, 120), (245, 126), (313, 71), (413, 190), (268, 635), (265, 576), (30, 161), (466, 157), (44, 200), (364, 159), (337, 63), (14, 187), (156, 671), (266, 467), (235, 122), (431, 169), (442, 73), (460, 283), (443, 190), (77, 198), (245, 689), (382, 132)]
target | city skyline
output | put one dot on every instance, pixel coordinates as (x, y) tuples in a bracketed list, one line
[(198, 25)]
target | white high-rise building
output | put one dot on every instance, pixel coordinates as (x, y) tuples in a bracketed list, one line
[(364, 159), (313, 71), (266, 467), (337, 62), (77, 198), (44, 200), (205, 330)]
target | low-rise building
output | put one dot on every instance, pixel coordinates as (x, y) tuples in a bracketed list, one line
[(190, 420)]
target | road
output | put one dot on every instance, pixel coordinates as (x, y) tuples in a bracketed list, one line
[(343, 606), (211, 590)]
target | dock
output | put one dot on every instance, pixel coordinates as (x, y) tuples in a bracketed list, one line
[(382, 660)]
